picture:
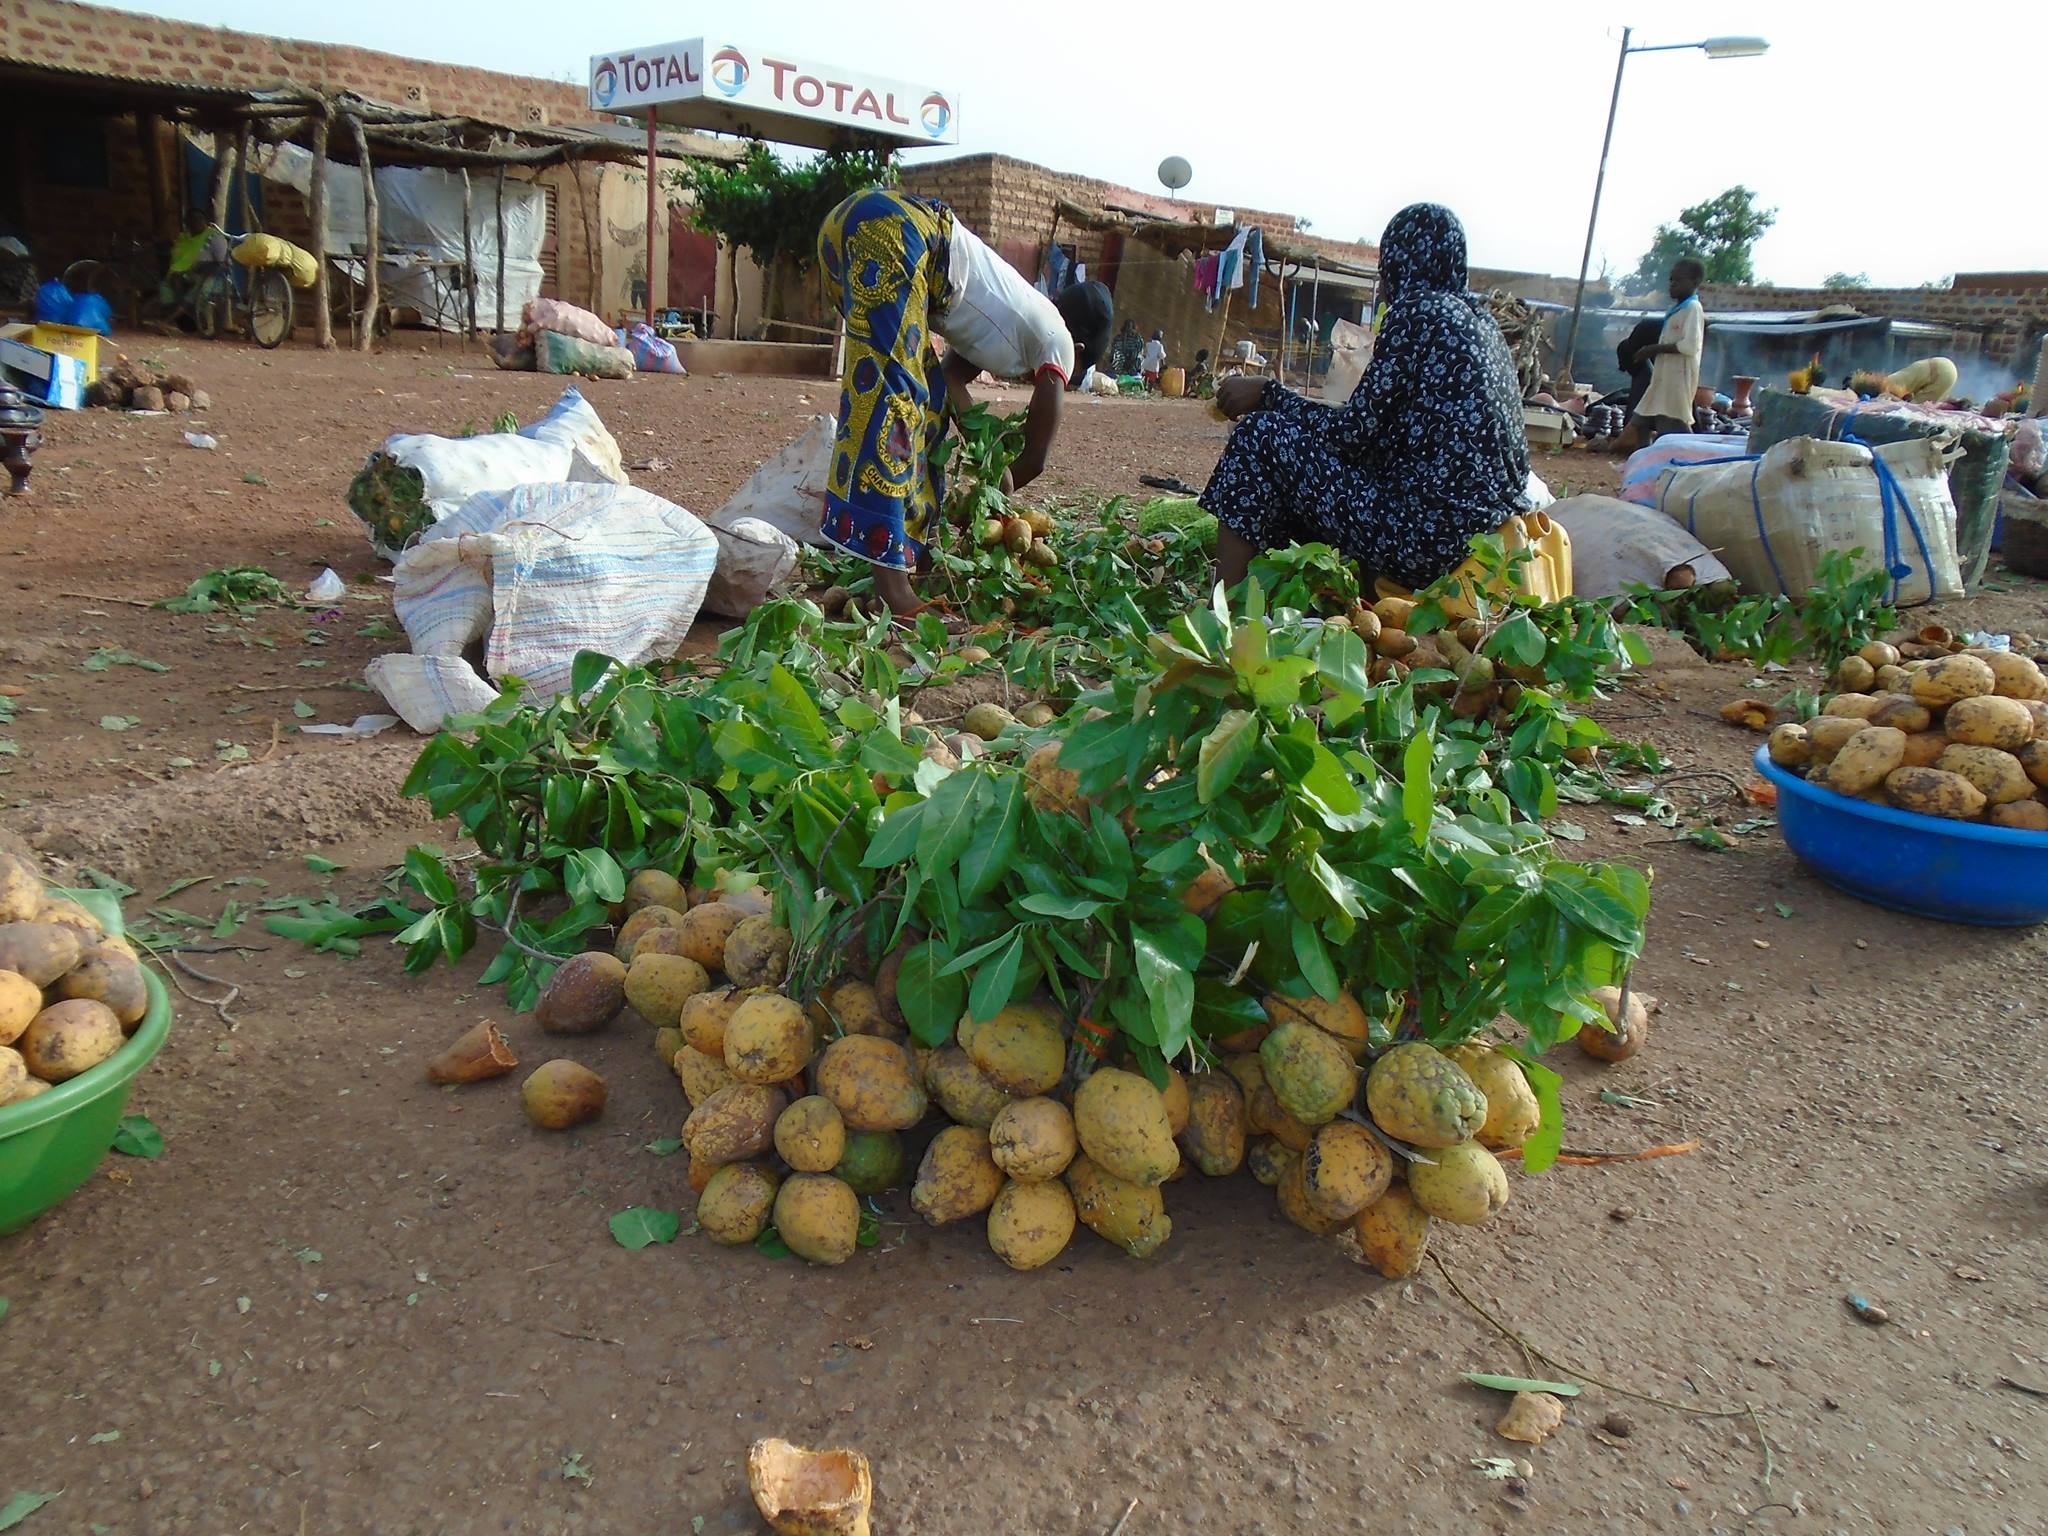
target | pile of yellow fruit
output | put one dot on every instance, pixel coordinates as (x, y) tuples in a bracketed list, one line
[(798, 1112)]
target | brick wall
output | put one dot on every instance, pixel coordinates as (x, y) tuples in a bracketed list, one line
[(61, 35)]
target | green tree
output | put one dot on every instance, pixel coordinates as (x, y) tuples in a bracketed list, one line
[(1721, 234), (774, 208), (1846, 280)]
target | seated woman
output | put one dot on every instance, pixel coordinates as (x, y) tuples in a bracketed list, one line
[(1429, 450), (905, 271)]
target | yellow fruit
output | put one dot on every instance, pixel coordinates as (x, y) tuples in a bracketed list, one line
[(1393, 1233), (14, 1078), (757, 953), (1880, 655), (1214, 1137), (1922, 749), (659, 985), (40, 951), (1631, 1028), (1041, 554), (1512, 1113), (705, 928), (666, 1043), (851, 1007), (1017, 535), (1132, 1216), (1864, 760), (1050, 787), (1292, 1194), (1828, 734), (2033, 759), (69, 914), (736, 1203), (1463, 1184), (1855, 675), (1998, 776), (656, 888), (1033, 1139), (560, 1094), (818, 1216), (810, 1136), (1123, 1126), (2020, 815), (1903, 711), (1990, 721), (1343, 1170), (1020, 1050), (991, 534), (106, 975), (1935, 792), (21, 892), (1175, 1093), (1035, 715), (2017, 676), (734, 1124), (638, 926), (1418, 1095), (68, 1038), (961, 1091), (1041, 521), (1270, 1159), (1344, 1019), (988, 721), (20, 1001), (872, 1082), (700, 1074), (1789, 747), (584, 994), (1310, 1072), (767, 1039), (1953, 678), (957, 1178), (705, 1015), (1031, 1224)]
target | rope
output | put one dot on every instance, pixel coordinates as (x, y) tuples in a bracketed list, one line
[(1892, 497)]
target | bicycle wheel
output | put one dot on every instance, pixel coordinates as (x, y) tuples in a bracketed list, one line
[(213, 305), (106, 280), (270, 307)]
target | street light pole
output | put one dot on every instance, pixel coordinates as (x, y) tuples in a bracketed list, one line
[(1713, 48), (1571, 340)]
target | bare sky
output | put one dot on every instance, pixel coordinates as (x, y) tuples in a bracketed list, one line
[(1901, 140)]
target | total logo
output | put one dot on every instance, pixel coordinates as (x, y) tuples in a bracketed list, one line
[(604, 83), (936, 114), (729, 71)]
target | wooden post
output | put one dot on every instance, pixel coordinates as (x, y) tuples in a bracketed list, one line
[(223, 183), (501, 252), (1223, 326), (468, 261), (149, 140), (370, 241), (243, 145), (650, 218), (316, 213)]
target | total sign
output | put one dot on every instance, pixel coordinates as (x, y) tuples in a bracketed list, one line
[(733, 80)]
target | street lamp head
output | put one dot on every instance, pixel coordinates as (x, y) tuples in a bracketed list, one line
[(1734, 47)]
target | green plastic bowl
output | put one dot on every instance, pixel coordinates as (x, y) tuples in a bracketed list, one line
[(50, 1144)]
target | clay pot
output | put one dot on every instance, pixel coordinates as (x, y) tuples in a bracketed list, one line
[(1739, 406), (480, 1053), (810, 1493)]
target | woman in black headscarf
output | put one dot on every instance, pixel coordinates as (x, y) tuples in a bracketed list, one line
[(1429, 450)]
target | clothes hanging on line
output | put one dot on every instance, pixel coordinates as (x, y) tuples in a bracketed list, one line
[(1205, 279), (1254, 259)]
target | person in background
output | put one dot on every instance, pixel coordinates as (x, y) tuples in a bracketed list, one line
[(1629, 354), (201, 249), (1126, 352), (1930, 379), (1153, 360), (905, 271), (1198, 375), (1674, 358), (1430, 449)]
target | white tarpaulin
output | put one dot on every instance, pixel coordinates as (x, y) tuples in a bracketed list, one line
[(419, 226)]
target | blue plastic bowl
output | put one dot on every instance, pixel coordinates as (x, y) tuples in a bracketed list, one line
[(1955, 871)]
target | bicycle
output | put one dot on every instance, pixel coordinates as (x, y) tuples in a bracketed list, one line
[(268, 310), (125, 278)]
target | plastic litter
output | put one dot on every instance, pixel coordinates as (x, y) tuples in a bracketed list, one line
[(328, 587), (205, 440), (363, 725)]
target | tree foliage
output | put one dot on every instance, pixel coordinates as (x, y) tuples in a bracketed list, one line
[(1846, 280), (774, 207), (1721, 234)]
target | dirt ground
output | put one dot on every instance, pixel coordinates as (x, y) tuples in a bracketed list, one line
[(343, 1301)]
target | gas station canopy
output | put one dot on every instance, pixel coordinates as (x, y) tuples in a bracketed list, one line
[(770, 95)]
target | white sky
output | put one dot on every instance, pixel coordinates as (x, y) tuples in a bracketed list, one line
[(1898, 139)]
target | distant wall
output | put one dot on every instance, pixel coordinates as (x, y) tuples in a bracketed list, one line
[(2000, 319)]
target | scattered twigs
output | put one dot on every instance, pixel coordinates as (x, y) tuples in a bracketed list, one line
[(1123, 1519), (1581, 1158), (101, 597), (171, 962)]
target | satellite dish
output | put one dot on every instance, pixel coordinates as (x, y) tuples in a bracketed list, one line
[(1175, 173)]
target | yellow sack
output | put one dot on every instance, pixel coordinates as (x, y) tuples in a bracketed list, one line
[(301, 270)]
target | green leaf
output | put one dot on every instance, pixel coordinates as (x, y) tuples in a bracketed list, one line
[(1521, 1384), (1314, 959), (119, 722), (1418, 791), (1068, 908), (317, 865), (995, 980), (1518, 642), (1580, 897), (1224, 753), (587, 671), (20, 1506), (667, 1147), (1169, 989), (592, 874), (993, 843), (948, 824), (930, 998), (1276, 684), (897, 838), (637, 1226), (137, 1136), (3, 1306), (869, 1232), (1540, 1151), (303, 710), (770, 1244)]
